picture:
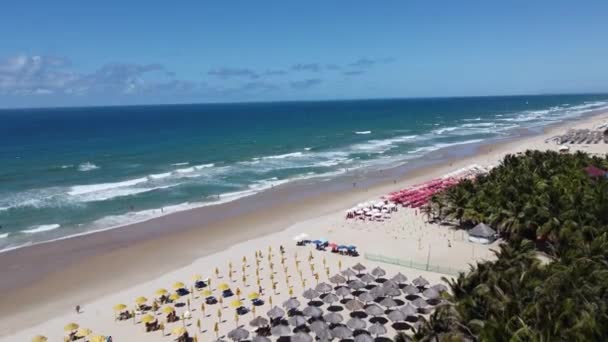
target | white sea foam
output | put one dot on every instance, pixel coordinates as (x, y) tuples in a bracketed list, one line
[(85, 189), (87, 166), (160, 175), (438, 146), (67, 166), (363, 132), (286, 155), (119, 192), (307, 148), (2, 236), (41, 228), (203, 166), (180, 164), (381, 146)]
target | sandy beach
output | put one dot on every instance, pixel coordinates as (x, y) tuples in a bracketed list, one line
[(42, 284)]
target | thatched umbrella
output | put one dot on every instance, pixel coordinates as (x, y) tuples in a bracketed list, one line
[(419, 303), (430, 293), (259, 322), (297, 321), (359, 268), (399, 278), (337, 279), (397, 316), (341, 332), (330, 298), (366, 297), (393, 292), (291, 303), (440, 288), (374, 310), (356, 323), (260, 339), (354, 305), (420, 282), (378, 272), (312, 311), (377, 291), (388, 303), (356, 284), (323, 287), (389, 284), (408, 310), (275, 312), (238, 334), (280, 330), (317, 326), (343, 292), (301, 337), (364, 338), (348, 273), (411, 290), (377, 329), (333, 318), (366, 278), (310, 294)]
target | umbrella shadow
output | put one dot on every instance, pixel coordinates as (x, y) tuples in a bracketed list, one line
[(335, 308), (412, 297), (359, 314), (382, 339), (378, 319), (381, 280), (400, 326), (316, 303)]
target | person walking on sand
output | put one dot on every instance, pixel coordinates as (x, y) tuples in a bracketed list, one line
[(261, 291), (77, 309)]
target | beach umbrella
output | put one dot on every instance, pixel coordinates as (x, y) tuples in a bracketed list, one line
[(333, 318), (366, 278), (71, 327), (364, 338), (419, 303), (179, 331), (359, 268), (236, 303), (312, 311), (389, 284), (366, 297), (337, 279), (297, 321), (354, 305), (275, 312), (348, 273), (161, 292), (291, 303), (377, 292), (259, 322), (147, 319), (179, 285), (120, 307), (341, 332), (408, 310), (396, 316), (440, 288), (238, 334), (207, 293), (260, 339), (430, 293), (280, 330), (39, 338), (356, 284), (420, 282), (356, 323), (174, 297), (393, 292), (323, 287), (388, 303), (374, 310), (378, 272), (317, 326), (168, 309), (253, 295), (197, 277), (330, 298), (377, 329), (223, 287), (399, 278), (310, 294), (97, 338), (410, 290), (343, 291), (301, 337), (141, 300)]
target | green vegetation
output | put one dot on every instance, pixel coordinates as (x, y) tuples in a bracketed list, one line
[(538, 201)]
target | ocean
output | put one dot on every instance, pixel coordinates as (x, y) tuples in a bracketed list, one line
[(69, 171)]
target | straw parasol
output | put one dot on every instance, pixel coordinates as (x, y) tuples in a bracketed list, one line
[(408, 310), (397, 316), (366, 297), (71, 327), (120, 307), (341, 332), (333, 318), (161, 292), (389, 284), (440, 288), (238, 334), (410, 290), (179, 285), (356, 323), (377, 292), (168, 309), (310, 294), (420, 282), (147, 319), (291, 303), (275, 312), (141, 300), (39, 338), (323, 287), (317, 326), (179, 331), (330, 298), (356, 284), (343, 291), (301, 337), (377, 329), (359, 268), (393, 292), (312, 311), (337, 279), (348, 273), (354, 305), (374, 310), (399, 278), (280, 330), (388, 303), (366, 278), (430, 293), (419, 303), (297, 321), (378, 272), (364, 338), (259, 322)]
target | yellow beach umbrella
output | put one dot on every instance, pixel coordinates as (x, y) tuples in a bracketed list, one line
[(141, 300), (82, 332), (174, 297), (179, 285), (39, 338), (207, 293), (179, 331), (71, 327), (148, 319), (223, 287), (168, 309), (197, 277), (236, 303), (253, 295), (161, 292), (97, 338), (120, 307)]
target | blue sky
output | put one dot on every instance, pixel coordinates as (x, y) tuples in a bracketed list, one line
[(62, 53)]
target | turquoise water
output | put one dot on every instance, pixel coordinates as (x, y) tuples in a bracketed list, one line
[(70, 171)]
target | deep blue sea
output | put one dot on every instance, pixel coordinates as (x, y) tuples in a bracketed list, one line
[(73, 170)]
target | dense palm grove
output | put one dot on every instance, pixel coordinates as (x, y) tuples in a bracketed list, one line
[(550, 280)]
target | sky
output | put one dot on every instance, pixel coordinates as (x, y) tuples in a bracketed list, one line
[(74, 53)]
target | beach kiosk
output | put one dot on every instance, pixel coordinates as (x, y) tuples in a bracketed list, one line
[(482, 233)]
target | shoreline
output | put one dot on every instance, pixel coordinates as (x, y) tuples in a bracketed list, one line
[(92, 256)]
